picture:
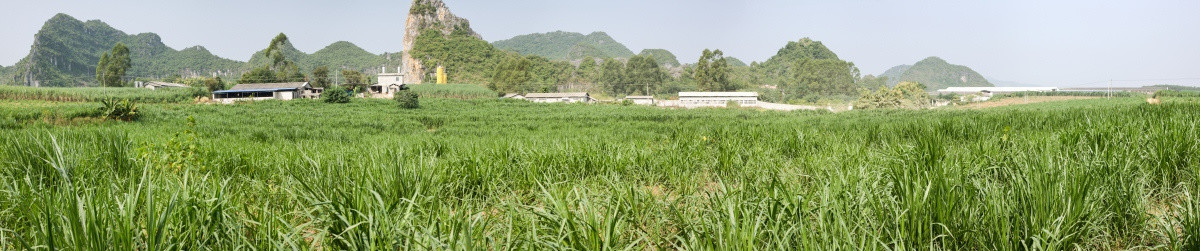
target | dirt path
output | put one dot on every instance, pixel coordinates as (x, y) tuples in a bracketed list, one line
[(1019, 101)]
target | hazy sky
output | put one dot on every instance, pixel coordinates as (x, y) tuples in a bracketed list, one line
[(1062, 43)]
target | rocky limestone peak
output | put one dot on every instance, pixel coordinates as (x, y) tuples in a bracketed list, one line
[(428, 14)]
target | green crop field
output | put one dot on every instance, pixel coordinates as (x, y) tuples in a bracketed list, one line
[(493, 174)]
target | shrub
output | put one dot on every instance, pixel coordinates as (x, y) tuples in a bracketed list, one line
[(123, 109), (732, 104), (407, 99), (335, 95)]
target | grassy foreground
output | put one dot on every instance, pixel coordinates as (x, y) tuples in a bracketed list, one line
[(496, 174)]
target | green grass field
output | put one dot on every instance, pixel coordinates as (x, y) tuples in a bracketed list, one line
[(502, 174)]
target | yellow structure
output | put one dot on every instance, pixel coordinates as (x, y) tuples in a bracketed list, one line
[(441, 75)]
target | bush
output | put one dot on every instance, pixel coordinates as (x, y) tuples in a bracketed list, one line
[(407, 99), (732, 104), (335, 95), (123, 110)]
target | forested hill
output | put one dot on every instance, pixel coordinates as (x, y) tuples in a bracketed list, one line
[(65, 52), (566, 46), (338, 56), (935, 73)]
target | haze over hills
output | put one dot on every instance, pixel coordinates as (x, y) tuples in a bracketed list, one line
[(893, 74), (566, 46), (935, 73), (65, 52)]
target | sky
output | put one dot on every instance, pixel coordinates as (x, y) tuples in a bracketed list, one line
[(1060, 43)]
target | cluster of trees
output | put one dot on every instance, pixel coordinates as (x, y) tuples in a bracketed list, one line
[(110, 71), (904, 95), (802, 71), (278, 69)]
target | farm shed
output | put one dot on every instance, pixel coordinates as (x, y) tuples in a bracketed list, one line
[(570, 97), (154, 85), (717, 99), (280, 91), (388, 84), (641, 100)]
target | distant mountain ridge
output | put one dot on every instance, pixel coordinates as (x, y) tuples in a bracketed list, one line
[(662, 56), (935, 73), (65, 52), (338, 56), (566, 46)]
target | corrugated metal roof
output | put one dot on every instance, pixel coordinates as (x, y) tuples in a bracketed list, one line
[(557, 95), (718, 94), (289, 85)]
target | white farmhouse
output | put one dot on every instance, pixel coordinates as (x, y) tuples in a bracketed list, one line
[(388, 84)]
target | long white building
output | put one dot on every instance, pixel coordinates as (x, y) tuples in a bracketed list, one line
[(717, 99), (994, 90)]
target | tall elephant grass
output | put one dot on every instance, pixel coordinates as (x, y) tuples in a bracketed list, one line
[(498, 175), (96, 94)]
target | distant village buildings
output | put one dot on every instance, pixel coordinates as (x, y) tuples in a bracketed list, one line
[(279, 91), (570, 97)]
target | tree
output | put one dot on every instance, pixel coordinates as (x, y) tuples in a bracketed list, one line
[(113, 65), (511, 75), (587, 70), (872, 82), (280, 68), (644, 75), (612, 76), (904, 95), (407, 99), (336, 95), (214, 84), (824, 77), (354, 79), (320, 77), (712, 72)]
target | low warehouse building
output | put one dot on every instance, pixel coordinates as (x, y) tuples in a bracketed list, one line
[(280, 91), (717, 99), (641, 100), (570, 97)]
